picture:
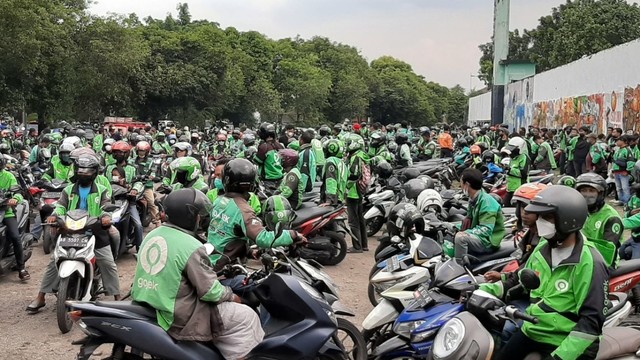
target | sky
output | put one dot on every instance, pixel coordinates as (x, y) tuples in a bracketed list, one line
[(438, 38)]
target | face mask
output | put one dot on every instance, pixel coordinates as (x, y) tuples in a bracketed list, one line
[(546, 229), (115, 179), (591, 200), (218, 184), (84, 181), (465, 191)]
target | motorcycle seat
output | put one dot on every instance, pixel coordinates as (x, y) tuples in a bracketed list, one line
[(626, 267), (305, 214), (506, 248), (617, 341), (621, 298), (130, 306)]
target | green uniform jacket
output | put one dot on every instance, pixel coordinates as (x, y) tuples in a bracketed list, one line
[(570, 302), (623, 159), (174, 276), (518, 173), (354, 173), (545, 156), (292, 188), (58, 171), (70, 198), (129, 174), (8, 182), (334, 181), (307, 166), (98, 141), (269, 161), (316, 145), (604, 229), (571, 148), (632, 222), (198, 184), (599, 154), (234, 222), (254, 201), (487, 220)]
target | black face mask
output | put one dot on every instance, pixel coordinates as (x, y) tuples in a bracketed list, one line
[(84, 180)]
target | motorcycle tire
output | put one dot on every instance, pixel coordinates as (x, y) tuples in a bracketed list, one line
[(146, 220), (371, 291), (377, 336), (48, 242), (352, 340), (66, 291), (374, 225), (341, 252)]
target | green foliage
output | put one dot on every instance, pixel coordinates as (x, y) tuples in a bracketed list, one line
[(572, 30), (61, 63)]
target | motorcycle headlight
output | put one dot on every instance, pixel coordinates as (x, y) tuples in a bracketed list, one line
[(449, 338), (405, 328), (75, 224), (417, 337)]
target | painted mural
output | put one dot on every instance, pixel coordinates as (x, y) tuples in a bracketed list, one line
[(518, 110)]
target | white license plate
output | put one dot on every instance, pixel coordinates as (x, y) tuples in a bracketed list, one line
[(78, 242), (52, 195)]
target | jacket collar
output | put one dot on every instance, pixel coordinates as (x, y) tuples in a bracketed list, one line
[(76, 188), (575, 256)]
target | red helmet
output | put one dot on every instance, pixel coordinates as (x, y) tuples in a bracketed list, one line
[(143, 146), (121, 146), (527, 192), (475, 149), (221, 137)]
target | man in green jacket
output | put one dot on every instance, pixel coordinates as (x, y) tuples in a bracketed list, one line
[(61, 165), (483, 229), (518, 169), (191, 304), (9, 185), (571, 301), (545, 159), (623, 163), (357, 168), (234, 224), (307, 161), (334, 174), (267, 158)]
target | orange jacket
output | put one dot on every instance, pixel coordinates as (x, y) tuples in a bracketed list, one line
[(446, 141)]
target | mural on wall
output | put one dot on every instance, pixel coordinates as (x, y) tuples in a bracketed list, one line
[(632, 108), (597, 111), (518, 104)]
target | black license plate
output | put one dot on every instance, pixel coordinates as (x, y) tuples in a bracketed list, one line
[(52, 195), (422, 296), (393, 264), (79, 242)]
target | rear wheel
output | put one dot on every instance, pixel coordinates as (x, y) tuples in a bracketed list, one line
[(352, 340), (48, 242), (339, 248), (69, 290), (374, 225)]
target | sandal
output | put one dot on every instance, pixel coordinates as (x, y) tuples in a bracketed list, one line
[(24, 275), (34, 307)]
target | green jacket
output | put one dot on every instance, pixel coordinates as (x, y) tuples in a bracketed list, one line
[(307, 166), (198, 184), (355, 162), (234, 222), (571, 147), (98, 141), (316, 145), (129, 174), (599, 154), (570, 303), (254, 201), (623, 159), (632, 222), (334, 181), (604, 229), (58, 170), (292, 188), (174, 276), (545, 159), (70, 198), (518, 173), (8, 182), (269, 161), (487, 220)]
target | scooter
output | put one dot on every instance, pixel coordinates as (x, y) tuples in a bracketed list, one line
[(75, 258), (49, 192), (7, 257), (303, 326), (324, 227), (121, 219), (378, 213)]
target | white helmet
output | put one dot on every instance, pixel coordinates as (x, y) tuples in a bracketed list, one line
[(517, 143), (73, 140), (429, 199), (182, 146)]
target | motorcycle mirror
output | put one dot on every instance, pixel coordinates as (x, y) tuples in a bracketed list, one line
[(529, 279), (110, 207)]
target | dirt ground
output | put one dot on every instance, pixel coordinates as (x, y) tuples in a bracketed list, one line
[(24, 336)]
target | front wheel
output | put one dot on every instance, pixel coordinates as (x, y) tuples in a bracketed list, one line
[(69, 290), (374, 225), (48, 242), (352, 340)]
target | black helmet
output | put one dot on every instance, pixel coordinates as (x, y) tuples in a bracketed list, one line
[(411, 173), (402, 138), (488, 157), (278, 211), (428, 181), (239, 175), (377, 140), (248, 140), (266, 130), (80, 133), (324, 130), (413, 188), (384, 169), (597, 182), (87, 167), (403, 218), (568, 206), (462, 142), (183, 206), (5, 149)]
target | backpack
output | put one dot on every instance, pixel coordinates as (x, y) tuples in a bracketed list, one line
[(366, 179)]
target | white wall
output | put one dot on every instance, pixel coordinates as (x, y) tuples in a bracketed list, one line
[(480, 108)]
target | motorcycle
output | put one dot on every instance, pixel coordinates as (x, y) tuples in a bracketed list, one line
[(382, 203), (7, 257), (49, 193), (75, 259), (325, 229), (121, 219)]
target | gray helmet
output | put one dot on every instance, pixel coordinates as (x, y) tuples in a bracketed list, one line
[(567, 205), (594, 181)]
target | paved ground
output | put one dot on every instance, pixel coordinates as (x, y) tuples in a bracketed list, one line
[(24, 336)]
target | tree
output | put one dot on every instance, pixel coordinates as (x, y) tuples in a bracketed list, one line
[(458, 105), (573, 30)]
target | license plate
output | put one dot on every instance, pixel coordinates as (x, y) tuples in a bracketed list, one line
[(51, 195), (393, 264), (422, 296), (79, 242)]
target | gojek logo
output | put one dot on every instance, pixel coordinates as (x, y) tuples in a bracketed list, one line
[(153, 256)]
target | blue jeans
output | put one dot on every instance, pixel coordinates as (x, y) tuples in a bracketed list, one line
[(509, 327), (135, 217), (630, 249), (36, 228), (622, 187)]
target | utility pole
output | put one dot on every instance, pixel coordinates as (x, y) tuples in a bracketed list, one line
[(500, 53)]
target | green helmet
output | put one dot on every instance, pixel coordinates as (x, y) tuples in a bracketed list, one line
[(355, 142), (278, 214), (567, 180), (295, 145), (334, 147), (56, 138), (184, 170)]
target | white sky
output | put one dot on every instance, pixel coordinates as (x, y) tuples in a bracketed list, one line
[(439, 38)]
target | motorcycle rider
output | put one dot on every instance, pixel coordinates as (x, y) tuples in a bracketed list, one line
[(518, 169), (218, 188), (570, 303), (545, 159), (9, 184), (36, 158), (234, 224), (598, 155), (291, 187), (187, 173), (61, 164), (428, 148), (123, 174), (334, 174), (187, 287), (483, 228), (160, 145), (145, 166), (603, 227), (403, 157), (87, 195), (356, 167), (269, 162)]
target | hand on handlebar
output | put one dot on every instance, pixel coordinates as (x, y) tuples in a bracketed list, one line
[(106, 221), (12, 202), (492, 276), (51, 219), (300, 240)]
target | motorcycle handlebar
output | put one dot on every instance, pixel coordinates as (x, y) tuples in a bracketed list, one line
[(514, 313)]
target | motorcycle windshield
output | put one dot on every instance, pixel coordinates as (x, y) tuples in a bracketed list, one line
[(447, 272)]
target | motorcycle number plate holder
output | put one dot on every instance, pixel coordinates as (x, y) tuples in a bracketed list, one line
[(76, 242), (51, 195), (422, 297), (393, 264)]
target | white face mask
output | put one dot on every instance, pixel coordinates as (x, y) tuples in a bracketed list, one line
[(465, 190), (546, 229)]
